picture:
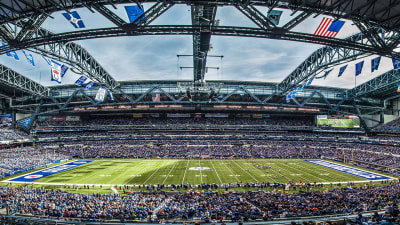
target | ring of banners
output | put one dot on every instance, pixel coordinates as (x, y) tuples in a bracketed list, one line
[(58, 70), (328, 28), (358, 70)]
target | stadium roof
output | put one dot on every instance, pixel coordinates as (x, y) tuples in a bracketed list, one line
[(259, 60), (385, 13), (287, 56)]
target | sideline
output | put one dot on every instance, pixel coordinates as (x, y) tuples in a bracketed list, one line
[(137, 185), (114, 190)]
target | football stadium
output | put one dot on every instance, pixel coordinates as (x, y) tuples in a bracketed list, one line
[(200, 112)]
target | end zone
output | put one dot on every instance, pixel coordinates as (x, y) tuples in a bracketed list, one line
[(351, 170), (48, 171)]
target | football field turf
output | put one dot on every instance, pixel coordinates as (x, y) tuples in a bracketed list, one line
[(179, 171)]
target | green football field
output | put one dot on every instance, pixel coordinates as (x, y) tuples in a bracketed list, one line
[(170, 171)]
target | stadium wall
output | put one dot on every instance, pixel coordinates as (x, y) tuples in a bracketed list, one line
[(389, 118), (395, 108), (20, 116), (372, 120)]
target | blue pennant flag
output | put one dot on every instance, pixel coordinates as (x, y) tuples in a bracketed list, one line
[(288, 97), (359, 67), (396, 62), (64, 70), (89, 85), (293, 94), (327, 73), (134, 12), (111, 95), (11, 53), (310, 81), (375, 63), (74, 19), (341, 70), (81, 80), (303, 86), (47, 60), (29, 57), (275, 16)]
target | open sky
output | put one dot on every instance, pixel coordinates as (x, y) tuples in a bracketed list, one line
[(154, 57)]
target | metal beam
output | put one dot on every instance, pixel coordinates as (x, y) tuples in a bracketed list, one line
[(256, 16), (203, 17), (5, 33), (376, 13), (30, 27), (324, 58), (371, 34), (15, 80), (67, 97), (355, 42), (110, 15), (296, 21), (76, 56), (385, 83)]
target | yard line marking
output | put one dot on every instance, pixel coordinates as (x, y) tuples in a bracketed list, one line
[(122, 174), (219, 178), (306, 168), (141, 171), (277, 173), (266, 174), (319, 169), (166, 177), (94, 174), (295, 168), (152, 174), (232, 173), (246, 172), (184, 175), (281, 165), (201, 174)]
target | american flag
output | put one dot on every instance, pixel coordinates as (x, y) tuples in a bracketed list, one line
[(327, 28), (155, 97)]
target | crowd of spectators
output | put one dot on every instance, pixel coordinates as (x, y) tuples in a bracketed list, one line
[(392, 126), (7, 134), (206, 206), (18, 159), (177, 123)]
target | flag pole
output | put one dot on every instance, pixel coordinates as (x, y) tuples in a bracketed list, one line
[(355, 81)]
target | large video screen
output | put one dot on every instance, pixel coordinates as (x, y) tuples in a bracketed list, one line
[(340, 121)]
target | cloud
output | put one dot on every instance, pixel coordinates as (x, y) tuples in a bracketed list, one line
[(349, 80), (154, 57)]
